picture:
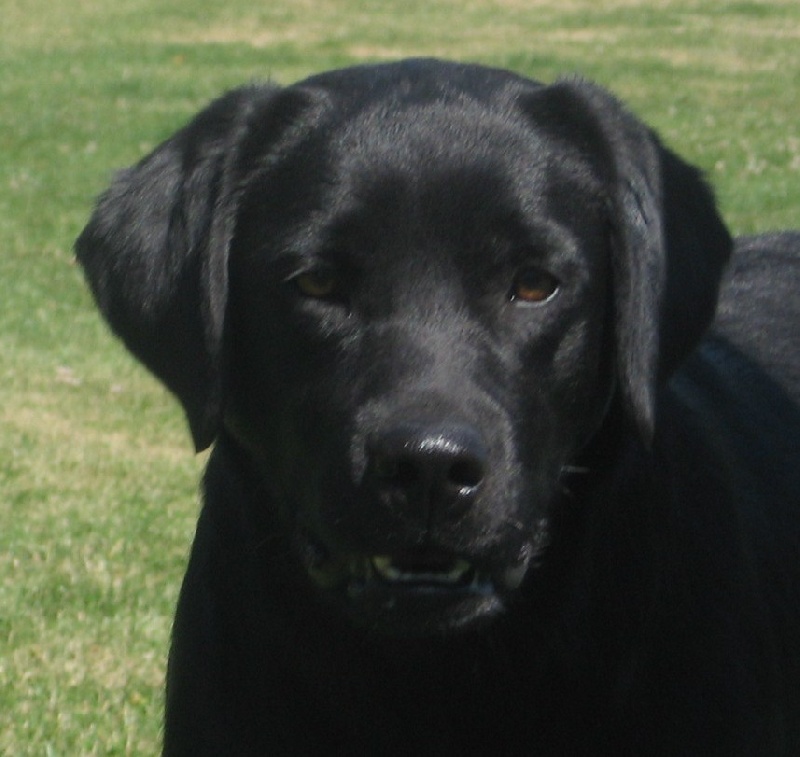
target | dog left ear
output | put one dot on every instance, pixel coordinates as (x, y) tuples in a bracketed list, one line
[(669, 245), (155, 254)]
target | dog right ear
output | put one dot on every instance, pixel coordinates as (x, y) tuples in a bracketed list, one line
[(155, 254), (668, 244)]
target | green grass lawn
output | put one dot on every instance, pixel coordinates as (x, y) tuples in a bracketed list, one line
[(98, 480)]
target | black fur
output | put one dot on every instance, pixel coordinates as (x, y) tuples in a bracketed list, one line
[(489, 476)]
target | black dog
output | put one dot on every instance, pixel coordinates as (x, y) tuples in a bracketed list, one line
[(483, 481)]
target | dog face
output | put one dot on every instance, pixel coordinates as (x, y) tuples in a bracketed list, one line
[(420, 343), (410, 294)]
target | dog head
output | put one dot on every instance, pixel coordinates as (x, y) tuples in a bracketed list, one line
[(410, 294)]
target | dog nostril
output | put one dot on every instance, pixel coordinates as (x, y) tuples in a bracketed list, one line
[(397, 472), (465, 474)]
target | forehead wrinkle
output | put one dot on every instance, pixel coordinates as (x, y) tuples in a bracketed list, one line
[(417, 136)]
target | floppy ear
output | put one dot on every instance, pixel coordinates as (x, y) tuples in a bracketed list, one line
[(155, 255), (668, 243)]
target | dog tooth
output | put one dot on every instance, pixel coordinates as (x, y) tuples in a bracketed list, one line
[(458, 571), (384, 567), (512, 578)]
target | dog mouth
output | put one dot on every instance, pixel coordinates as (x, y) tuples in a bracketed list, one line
[(415, 591), (420, 570), (423, 569)]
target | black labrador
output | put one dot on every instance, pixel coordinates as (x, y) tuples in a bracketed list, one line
[(506, 450)]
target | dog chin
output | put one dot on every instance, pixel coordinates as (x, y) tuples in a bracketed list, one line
[(414, 593)]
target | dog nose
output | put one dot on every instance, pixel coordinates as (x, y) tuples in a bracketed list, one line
[(435, 470)]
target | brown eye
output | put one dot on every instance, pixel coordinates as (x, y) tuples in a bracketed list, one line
[(534, 285), (318, 284)]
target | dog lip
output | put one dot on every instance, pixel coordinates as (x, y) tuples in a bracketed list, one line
[(359, 574)]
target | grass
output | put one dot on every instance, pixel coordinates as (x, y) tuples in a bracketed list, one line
[(97, 478)]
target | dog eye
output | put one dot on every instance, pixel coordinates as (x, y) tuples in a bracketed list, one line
[(321, 284), (533, 285)]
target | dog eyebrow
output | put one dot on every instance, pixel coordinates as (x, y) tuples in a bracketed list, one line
[(539, 236), (292, 260)]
